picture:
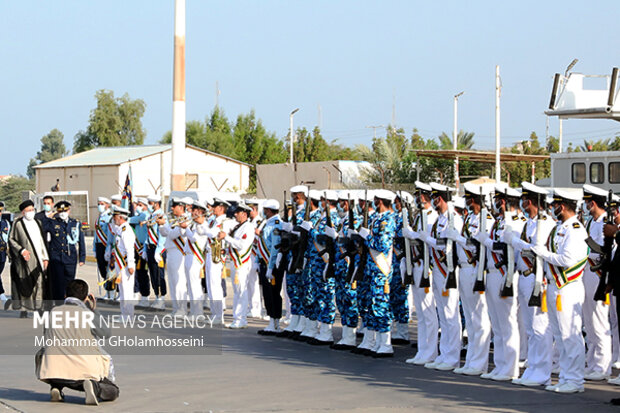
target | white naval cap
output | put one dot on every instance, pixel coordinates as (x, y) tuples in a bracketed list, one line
[(505, 190), (243, 207), (314, 194), (299, 188), (343, 195), (330, 195), (188, 200), (459, 202), (404, 196), (474, 189), (252, 201), (103, 199), (560, 195), (116, 210), (529, 189), (590, 191), (435, 187), (177, 200), (154, 198), (423, 187), (199, 204), (218, 201), (116, 197), (271, 204), (384, 194), (142, 200)]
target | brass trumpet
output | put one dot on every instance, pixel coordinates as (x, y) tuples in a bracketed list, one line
[(176, 221)]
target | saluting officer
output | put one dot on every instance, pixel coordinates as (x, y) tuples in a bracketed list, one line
[(66, 248)]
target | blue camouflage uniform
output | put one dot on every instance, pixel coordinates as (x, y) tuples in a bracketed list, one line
[(324, 306), (141, 283), (363, 286), (66, 248), (399, 303), (5, 229), (346, 297), (155, 243), (379, 269), (269, 238), (306, 286), (293, 279)]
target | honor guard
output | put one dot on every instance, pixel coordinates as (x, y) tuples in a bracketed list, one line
[(195, 257), (535, 318), (477, 323), (138, 224), (156, 251), (610, 231), (444, 277), (255, 306), (346, 295), (5, 229), (423, 296), (66, 248), (123, 260), (399, 291), (176, 249), (240, 240), (101, 238), (271, 280), (362, 286), (565, 254)]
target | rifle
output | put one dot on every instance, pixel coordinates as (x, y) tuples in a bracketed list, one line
[(606, 259), (298, 262), (450, 250), (481, 248), (330, 247), (536, 297), (286, 244), (507, 290), (360, 243), (351, 248), (408, 279)]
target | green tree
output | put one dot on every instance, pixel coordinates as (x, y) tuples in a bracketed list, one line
[(11, 191), (464, 141), (52, 147), (114, 122)]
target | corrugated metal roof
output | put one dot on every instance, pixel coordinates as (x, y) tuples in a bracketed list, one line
[(115, 155)]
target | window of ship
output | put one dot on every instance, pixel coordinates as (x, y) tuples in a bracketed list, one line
[(597, 173), (578, 173), (614, 172)]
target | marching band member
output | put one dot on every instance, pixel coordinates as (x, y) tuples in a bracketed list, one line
[(124, 260), (142, 275), (156, 251), (255, 307), (195, 258)]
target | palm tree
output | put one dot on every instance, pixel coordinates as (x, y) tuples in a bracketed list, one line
[(464, 141)]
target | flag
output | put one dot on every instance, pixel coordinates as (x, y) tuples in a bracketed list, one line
[(127, 201)]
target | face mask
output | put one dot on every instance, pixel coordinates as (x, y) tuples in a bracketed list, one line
[(138, 209), (101, 208), (522, 208), (151, 208), (29, 215), (47, 208), (63, 215), (555, 213), (435, 203), (585, 209), (496, 207)]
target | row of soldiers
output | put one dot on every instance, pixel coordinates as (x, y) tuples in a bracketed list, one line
[(526, 275)]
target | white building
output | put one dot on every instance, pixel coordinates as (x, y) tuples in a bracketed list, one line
[(102, 172)]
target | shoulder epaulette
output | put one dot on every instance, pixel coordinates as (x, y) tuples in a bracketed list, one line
[(430, 211), (124, 228), (576, 225), (523, 219), (515, 217), (277, 221), (544, 217), (489, 216)]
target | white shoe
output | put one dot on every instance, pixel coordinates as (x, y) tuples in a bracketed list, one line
[(421, 362), (516, 381), (551, 387), (487, 376), (271, 327), (472, 372), (596, 376), (384, 343), (235, 325), (90, 396), (501, 378), (444, 367), (178, 313), (293, 323), (569, 388), (311, 329), (144, 302), (159, 303), (412, 360), (616, 365), (615, 381), (368, 342), (325, 333), (348, 337), (301, 324), (458, 370), (530, 383), (431, 365)]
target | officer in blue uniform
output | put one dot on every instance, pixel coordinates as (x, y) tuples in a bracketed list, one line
[(271, 283), (5, 228), (66, 248)]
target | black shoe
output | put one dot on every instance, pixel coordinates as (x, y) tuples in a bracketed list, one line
[(358, 350), (615, 402), (266, 333), (7, 304), (294, 335), (382, 355), (316, 342), (23, 314), (414, 344), (284, 334), (368, 353), (359, 334), (341, 347), (399, 341)]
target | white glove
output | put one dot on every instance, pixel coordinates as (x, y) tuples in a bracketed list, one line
[(364, 233), (330, 232), (403, 268), (508, 236), (107, 256), (307, 225), (481, 237), (325, 257), (424, 236), (541, 251), (408, 232), (351, 232), (269, 275), (143, 254), (158, 257), (278, 259), (325, 273), (452, 234), (287, 227)]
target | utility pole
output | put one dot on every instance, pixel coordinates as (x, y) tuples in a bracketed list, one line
[(498, 88), (455, 136), (292, 134), (217, 94), (374, 128), (177, 181)]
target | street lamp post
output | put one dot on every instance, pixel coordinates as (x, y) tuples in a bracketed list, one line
[(292, 133), (455, 135)]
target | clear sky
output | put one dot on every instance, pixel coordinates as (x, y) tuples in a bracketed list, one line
[(349, 57)]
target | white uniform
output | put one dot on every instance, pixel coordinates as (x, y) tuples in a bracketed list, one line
[(195, 264), (447, 300), (565, 261), (477, 322), (502, 310), (424, 300), (240, 243), (123, 256), (215, 270), (254, 297), (176, 245), (596, 313), (536, 322)]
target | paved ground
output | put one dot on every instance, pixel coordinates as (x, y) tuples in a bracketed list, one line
[(266, 374)]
